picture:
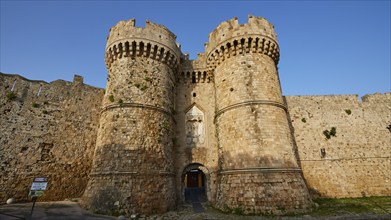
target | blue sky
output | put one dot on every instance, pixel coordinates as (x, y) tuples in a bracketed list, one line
[(327, 47)]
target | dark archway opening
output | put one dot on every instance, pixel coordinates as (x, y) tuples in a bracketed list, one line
[(194, 182)]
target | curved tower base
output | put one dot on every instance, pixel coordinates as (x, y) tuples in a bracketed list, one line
[(258, 169), (130, 193), (133, 167), (267, 191)]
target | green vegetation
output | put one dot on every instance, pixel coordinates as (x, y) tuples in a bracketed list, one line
[(332, 132), (331, 206), (166, 125), (228, 210), (174, 140), (325, 208), (303, 120), (348, 111), (111, 98), (35, 105), (327, 134), (112, 212), (144, 87), (120, 101), (45, 112), (238, 211), (173, 112), (10, 96)]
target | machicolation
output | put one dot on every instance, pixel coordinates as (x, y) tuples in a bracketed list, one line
[(167, 126)]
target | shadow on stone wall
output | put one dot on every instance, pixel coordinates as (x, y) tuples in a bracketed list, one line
[(106, 200), (46, 130)]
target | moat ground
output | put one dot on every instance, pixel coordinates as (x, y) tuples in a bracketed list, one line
[(360, 208)]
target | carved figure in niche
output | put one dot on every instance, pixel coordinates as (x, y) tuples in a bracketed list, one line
[(195, 131)]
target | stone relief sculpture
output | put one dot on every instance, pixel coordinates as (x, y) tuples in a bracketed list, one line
[(195, 131)]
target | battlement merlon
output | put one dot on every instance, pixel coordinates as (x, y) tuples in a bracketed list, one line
[(128, 29), (231, 29), (229, 37), (197, 64), (125, 39)]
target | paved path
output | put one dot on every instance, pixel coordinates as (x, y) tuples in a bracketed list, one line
[(64, 210), (194, 195), (67, 210)]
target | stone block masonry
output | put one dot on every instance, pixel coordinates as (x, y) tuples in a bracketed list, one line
[(165, 125), (46, 129), (254, 139), (134, 144), (357, 160)]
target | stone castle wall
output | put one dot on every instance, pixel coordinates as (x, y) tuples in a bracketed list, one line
[(357, 160), (163, 115), (196, 145), (57, 138), (134, 160), (47, 129), (258, 170)]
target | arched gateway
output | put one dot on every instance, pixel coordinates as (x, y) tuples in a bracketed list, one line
[(195, 183), (242, 134)]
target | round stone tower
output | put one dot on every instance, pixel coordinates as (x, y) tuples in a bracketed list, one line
[(258, 170), (133, 169)]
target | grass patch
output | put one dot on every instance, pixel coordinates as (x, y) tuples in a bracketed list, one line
[(331, 206), (10, 96), (111, 98), (344, 208), (348, 111)]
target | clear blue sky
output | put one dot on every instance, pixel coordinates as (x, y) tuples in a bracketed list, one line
[(327, 47)]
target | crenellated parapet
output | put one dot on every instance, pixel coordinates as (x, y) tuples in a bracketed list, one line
[(230, 39), (154, 41), (195, 71), (137, 145), (196, 76)]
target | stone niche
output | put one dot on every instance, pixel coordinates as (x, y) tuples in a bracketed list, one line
[(195, 127)]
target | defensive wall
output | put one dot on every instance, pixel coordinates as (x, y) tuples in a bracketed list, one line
[(354, 162), (163, 115), (57, 138), (46, 129), (196, 144), (258, 170), (133, 164)]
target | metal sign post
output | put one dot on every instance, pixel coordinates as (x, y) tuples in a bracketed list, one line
[(39, 185), (32, 208)]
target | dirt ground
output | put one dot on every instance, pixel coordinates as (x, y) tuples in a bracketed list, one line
[(69, 210)]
